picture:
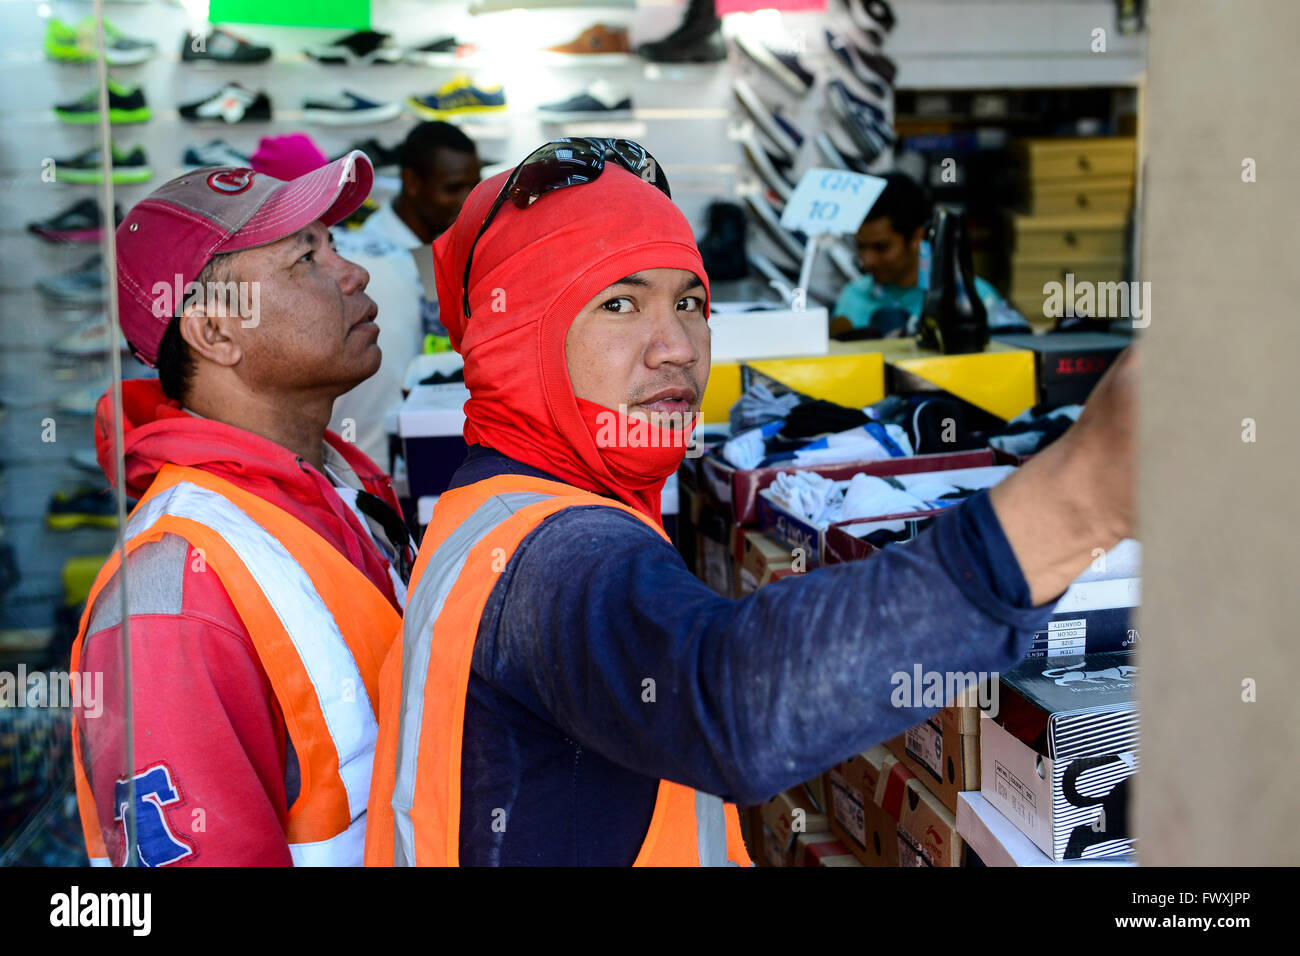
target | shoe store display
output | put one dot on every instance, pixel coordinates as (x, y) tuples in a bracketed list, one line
[(836, 156), (81, 222), (221, 46), (871, 16), (783, 133), (83, 285), (855, 61), (595, 40), (697, 39), (600, 99), (764, 163), (95, 339), (770, 221), (77, 43), (125, 105), (357, 49), (458, 97), (782, 64), (85, 167), (437, 51), (216, 152), (866, 136), (381, 156), (349, 109), (83, 508), (231, 104)]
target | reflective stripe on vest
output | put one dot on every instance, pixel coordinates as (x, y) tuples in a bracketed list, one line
[(320, 628), (474, 532)]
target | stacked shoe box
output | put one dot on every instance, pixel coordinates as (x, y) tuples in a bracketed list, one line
[(886, 816), (1079, 191)]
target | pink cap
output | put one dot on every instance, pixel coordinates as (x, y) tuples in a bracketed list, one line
[(287, 157), (169, 236)]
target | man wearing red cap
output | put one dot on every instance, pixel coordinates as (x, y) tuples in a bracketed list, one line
[(565, 691), (265, 561)]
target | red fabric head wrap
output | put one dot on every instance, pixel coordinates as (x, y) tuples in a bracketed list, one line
[(533, 271)]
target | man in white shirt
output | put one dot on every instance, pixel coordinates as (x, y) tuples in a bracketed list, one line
[(440, 166)]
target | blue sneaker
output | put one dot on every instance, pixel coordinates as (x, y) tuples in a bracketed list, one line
[(459, 97)]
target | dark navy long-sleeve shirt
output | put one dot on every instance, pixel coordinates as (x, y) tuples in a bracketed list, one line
[(564, 745)]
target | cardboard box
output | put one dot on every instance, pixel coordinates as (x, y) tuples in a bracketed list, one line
[(997, 841), (1075, 237), (431, 424), (855, 816), (761, 561), (1077, 158), (811, 848), (785, 817), (944, 751), (736, 336), (735, 490), (1058, 757), (1068, 364), (715, 561), (1081, 195)]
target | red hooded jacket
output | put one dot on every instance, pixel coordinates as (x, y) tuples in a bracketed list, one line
[(203, 705)]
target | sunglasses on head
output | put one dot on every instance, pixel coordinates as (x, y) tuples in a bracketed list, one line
[(561, 163)]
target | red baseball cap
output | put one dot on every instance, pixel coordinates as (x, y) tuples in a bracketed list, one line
[(169, 236)]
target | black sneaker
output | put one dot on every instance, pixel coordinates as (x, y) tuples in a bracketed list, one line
[(231, 104), (871, 16), (858, 64), (80, 222), (83, 508), (600, 98), (433, 53), (356, 49), (380, 156), (221, 46), (784, 65), (867, 137), (83, 285), (697, 39), (132, 167), (125, 105), (349, 109)]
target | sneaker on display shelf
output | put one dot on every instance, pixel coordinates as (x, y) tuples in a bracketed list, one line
[(595, 40), (221, 46), (231, 104), (779, 62), (83, 508), (77, 43), (89, 341), (783, 134), (871, 16), (83, 285), (458, 97), (600, 99), (792, 244), (868, 139), (132, 167), (764, 163), (381, 156), (357, 49), (83, 221), (436, 51), (125, 105), (873, 71), (349, 109), (697, 39), (216, 152)]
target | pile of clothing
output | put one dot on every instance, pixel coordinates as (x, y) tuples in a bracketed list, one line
[(821, 501), (1033, 430)]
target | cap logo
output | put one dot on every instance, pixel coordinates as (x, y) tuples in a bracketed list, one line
[(231, 181)]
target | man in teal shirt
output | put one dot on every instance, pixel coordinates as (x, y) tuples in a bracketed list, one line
[(888, 297)]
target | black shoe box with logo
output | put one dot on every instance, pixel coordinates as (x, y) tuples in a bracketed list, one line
[(1058, 750), (1068, 364)]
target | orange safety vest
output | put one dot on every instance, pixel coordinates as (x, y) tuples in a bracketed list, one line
[(415, 798), (321, 630)]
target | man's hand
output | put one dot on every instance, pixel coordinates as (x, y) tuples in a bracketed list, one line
[(1076, 495)]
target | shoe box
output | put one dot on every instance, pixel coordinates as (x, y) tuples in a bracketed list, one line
[(886, 815), (993, 840), (1068, 364), (796, 532), (1078, 192), (944, 750), (431, 425), (1059, 753), (786, 818), (760, 561)]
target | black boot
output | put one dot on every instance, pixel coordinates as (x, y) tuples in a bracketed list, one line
[(698, 39)]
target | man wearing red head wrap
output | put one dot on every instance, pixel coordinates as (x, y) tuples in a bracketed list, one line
[(565, 691)]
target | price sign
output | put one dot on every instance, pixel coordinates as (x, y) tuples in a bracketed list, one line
[(831, 201)]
